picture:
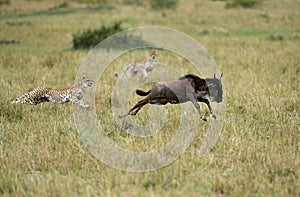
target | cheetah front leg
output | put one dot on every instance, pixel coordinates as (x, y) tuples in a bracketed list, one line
[(83, 104), (80, 102)]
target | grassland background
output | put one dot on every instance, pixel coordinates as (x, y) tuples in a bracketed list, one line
[(257, 49)]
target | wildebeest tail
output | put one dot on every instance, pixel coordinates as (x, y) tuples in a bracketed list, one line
[(118, 75), (142, 93)]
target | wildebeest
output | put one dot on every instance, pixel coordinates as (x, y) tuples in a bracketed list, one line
[(188, 88)]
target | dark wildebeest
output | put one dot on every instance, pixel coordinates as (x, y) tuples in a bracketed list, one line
[(188, 88)]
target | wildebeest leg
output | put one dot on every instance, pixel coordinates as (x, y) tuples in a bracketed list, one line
[(197, 106), (137, 107), (134, 110), (206, 101)]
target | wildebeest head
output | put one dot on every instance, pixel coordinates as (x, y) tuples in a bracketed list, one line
[(210, 86), (215, 88)]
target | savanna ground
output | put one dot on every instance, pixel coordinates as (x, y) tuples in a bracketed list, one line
[(257, 153)]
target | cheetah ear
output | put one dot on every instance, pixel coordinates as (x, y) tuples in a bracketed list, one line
[(152, 53), (84, 77)]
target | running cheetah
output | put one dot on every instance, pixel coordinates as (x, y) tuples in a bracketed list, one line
[(140, 68), (73, 94)]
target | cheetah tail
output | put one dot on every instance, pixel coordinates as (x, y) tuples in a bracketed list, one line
[(20, 98), (17, 100), (119, 74)]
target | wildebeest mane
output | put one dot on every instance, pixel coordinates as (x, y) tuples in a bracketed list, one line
[(199, 84), (191, 76)]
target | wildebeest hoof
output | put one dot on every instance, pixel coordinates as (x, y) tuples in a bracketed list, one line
[(122, 116), (203, 118), (214, 116)]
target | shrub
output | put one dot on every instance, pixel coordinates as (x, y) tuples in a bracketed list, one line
[(2, 2), (242, 3), (275, 37), (91, 38), (133, 2), (163, 4), (91, 1), (62, 5)]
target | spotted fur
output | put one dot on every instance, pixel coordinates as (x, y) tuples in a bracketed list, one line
[(72, 94)]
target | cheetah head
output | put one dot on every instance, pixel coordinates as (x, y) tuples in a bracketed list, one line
[(86, 82)]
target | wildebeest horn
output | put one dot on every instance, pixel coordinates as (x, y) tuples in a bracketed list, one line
[(214, 75), (221, 76)]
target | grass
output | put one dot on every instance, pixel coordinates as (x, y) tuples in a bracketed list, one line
[(243, 3), (257, 153)]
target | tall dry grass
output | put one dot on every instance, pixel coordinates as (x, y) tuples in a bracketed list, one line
[(257, 153)]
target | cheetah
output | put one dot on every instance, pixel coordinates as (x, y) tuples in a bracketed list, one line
[(73, 94), (140, 68)]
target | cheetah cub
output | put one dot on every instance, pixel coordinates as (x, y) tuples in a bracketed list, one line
[(73, 94)]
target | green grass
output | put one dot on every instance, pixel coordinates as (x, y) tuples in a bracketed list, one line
[(257, 153)]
